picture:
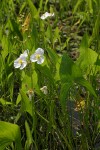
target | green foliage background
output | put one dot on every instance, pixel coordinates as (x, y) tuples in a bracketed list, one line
[(68, 116)]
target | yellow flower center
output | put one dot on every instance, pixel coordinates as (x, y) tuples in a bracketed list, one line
[(20, 61), (38, 56), (30, 91)]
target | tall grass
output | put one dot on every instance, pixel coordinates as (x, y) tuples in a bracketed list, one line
[(54, 104)]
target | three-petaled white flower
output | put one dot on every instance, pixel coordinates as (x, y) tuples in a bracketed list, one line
[(46, 15), (21, 61), (44, 89), (38, 56)]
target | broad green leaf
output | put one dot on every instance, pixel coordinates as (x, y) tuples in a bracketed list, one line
[(45, 71), (69, 68), (26, 82), (66, 78), (29, 136), (30, 80), (87, 56), (69, 71), (84, 43), (9, 133), (97, 62), (76, 71), (65, 87), (26, 104), (66, 65)]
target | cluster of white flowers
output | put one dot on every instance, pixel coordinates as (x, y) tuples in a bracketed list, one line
[(21, 63), (46, 15), (38, 57)]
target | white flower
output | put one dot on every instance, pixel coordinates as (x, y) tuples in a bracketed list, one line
[(21, 61), (38, 56), (46, 14), (44, 90), (30, 94), (25, 54)]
